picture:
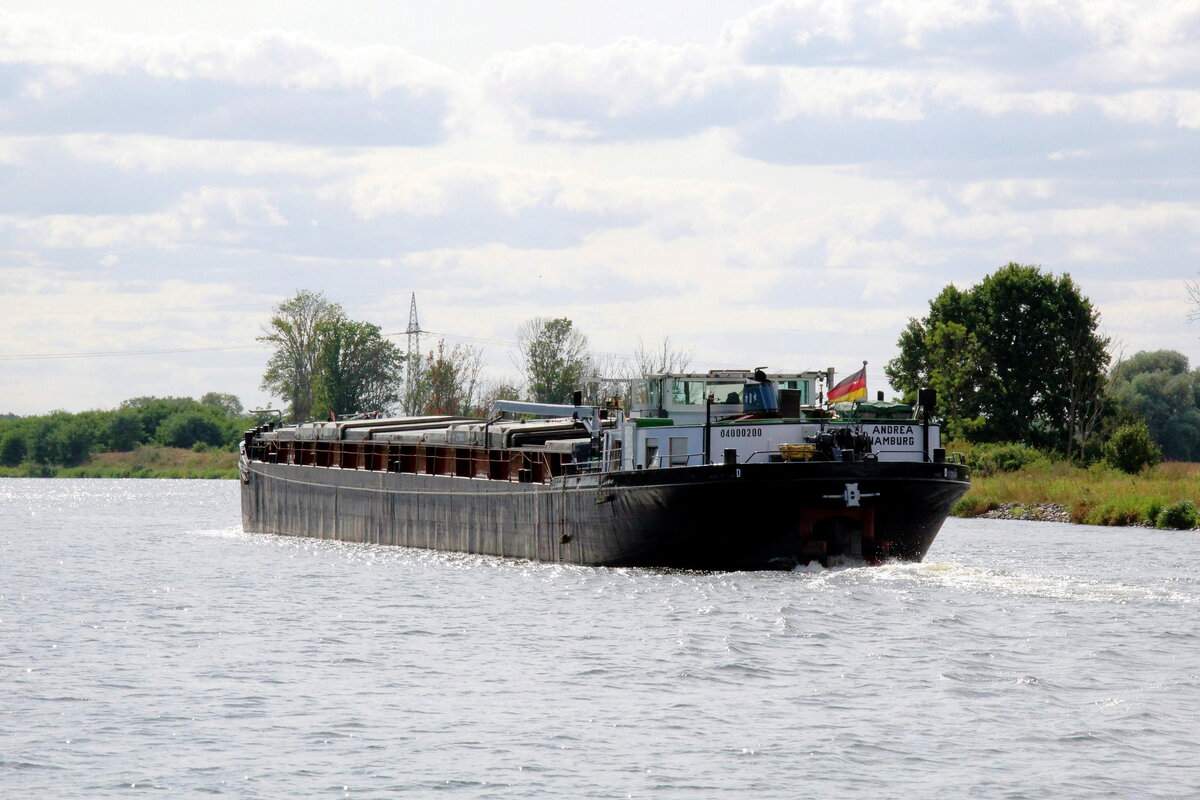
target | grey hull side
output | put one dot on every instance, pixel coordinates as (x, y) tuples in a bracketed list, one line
[(748, 517)]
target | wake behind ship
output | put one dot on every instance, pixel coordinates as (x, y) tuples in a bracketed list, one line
[(715, 471)]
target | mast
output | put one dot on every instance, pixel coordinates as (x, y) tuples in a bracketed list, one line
[(412, 363)]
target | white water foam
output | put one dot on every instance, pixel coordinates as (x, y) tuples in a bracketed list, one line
[(1028, 584)]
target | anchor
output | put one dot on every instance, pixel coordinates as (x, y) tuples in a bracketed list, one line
[(851, 495)]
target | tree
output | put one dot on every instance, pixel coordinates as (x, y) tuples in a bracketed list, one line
[(294, 332), (497, 390), (1089, 400), (227, 404), (1159, 387), (151, 411), (187, 428), (76, 440), (661, 359), (608, 376), (953, 346), (45, 437), (125, 430), (554, 358), (62, 438), (139, 420), (357, 369), (1037, 371), (12, 446), (449, 381)]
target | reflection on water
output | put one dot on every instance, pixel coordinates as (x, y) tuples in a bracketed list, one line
[(149, 643)]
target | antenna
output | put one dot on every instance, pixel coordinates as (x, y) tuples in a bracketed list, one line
[(414, 355)]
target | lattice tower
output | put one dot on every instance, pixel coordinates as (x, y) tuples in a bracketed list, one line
[(412, 365)]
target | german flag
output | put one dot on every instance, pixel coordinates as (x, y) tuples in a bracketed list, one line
[(853, 387)]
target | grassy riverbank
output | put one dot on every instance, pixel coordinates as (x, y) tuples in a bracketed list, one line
[(1096, 495), (148, 461)]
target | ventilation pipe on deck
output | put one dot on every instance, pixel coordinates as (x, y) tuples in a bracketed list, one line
[(927, 403), (708, 404)]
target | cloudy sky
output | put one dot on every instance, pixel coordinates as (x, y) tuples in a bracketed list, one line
[(778, 184)]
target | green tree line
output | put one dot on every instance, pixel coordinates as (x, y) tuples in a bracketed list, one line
[(64, 439), (325, 364), (321, 362), (1019, 361)]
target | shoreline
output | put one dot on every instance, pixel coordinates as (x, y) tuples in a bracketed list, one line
[(1030, 512), (1053, 512), (1096, 494), (146, 461)]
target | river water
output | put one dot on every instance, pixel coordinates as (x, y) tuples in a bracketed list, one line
[(148, 645)]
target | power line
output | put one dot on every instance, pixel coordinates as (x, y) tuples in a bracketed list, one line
[(505, 342), (116, 353), (513, 343), (628, 357)]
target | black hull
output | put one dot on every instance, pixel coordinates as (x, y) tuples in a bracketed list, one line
[(750, 516)]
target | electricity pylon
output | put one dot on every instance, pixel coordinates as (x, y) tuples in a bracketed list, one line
[(412, 365)]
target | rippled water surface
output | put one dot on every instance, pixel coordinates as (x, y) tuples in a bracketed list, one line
[(146, 643)]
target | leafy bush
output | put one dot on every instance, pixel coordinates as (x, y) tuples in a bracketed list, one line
[(187, 428), (62, 439), (31, 469), (125, 431), (12, 448), (990, 459), (75, 441), (1131, 449), (1179, 516)]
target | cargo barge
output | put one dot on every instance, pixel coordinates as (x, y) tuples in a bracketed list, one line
[(714, 471)]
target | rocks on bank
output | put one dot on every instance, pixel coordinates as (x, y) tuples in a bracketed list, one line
[(1040, 512)]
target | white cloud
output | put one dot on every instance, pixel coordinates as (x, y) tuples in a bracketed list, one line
[(632, 89), (807, 31), (208, 213), (158, 154), (270, 85), (1180, 108), (275, 58), (823, 167), (1070, 42), (900, 86)]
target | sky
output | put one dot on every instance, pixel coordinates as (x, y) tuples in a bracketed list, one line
[(776, 184)]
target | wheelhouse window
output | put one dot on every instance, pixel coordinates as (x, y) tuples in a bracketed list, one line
[(639, 394), (687, 393), (725, 393)]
